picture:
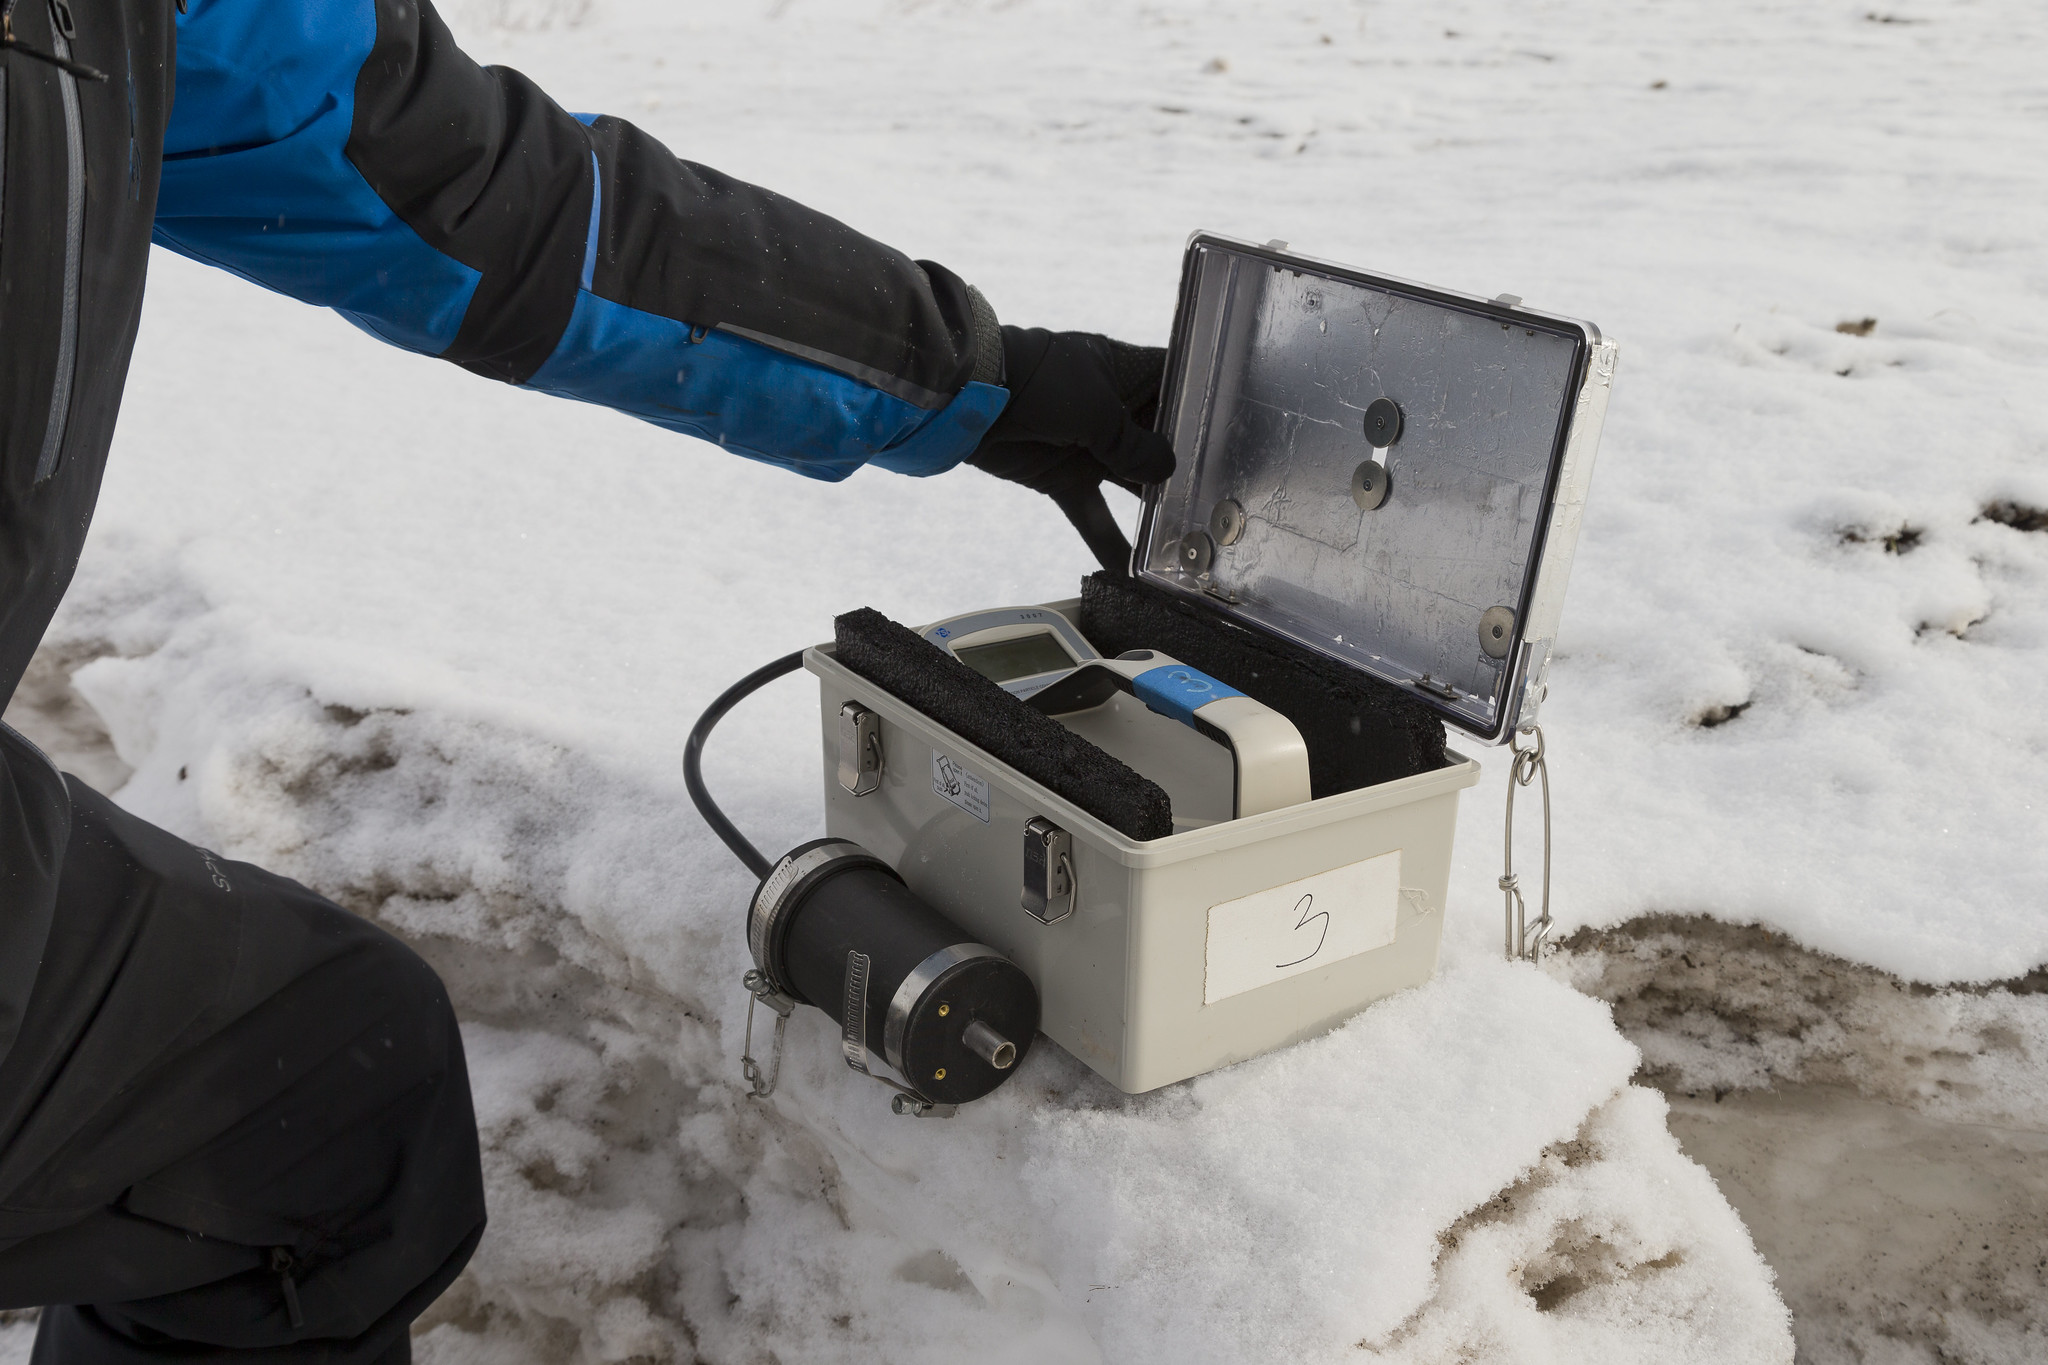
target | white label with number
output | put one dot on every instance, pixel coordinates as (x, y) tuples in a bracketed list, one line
[(1271, 935), (967, 790)]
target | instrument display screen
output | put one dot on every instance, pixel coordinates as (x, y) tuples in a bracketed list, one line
[(1022, 657)]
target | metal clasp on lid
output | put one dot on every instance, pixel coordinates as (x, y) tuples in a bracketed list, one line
[(1050, 887), (860, 749)]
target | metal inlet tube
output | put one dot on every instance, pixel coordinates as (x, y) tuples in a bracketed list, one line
[(992, 1047)]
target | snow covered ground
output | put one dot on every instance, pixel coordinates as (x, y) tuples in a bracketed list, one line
[(433, 646)]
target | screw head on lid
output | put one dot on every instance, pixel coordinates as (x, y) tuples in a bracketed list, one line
[(1383, 422)]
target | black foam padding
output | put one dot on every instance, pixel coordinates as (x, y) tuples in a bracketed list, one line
[(929, 680), (1359, 731)]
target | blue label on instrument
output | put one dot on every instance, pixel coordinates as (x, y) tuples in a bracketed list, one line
[(1179, 691)]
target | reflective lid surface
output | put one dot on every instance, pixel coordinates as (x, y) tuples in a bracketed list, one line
[(1365, 466)]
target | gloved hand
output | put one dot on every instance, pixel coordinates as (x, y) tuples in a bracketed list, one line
[(1080, 412)]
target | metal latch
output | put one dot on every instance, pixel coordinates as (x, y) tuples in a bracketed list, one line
[(1049, 881), (860, 749)]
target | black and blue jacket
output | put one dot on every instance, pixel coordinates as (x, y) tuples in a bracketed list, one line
[(345, 152)]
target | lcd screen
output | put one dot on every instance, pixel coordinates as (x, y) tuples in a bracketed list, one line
[(1023, 657)]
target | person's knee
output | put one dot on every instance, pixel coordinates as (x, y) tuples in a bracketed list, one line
[(363, 1126), (417, 1020), (316, 1113), (414, 1003)]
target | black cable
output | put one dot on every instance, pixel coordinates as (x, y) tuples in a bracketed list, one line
[(693, 758)]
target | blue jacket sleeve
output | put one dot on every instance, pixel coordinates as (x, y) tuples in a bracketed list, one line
[(347, 153)]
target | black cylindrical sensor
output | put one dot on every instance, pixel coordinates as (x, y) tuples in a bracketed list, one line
[(834, 926)]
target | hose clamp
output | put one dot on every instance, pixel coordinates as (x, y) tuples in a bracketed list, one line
[(774, 899)]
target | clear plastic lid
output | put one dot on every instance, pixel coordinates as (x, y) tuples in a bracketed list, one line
[(1367, 467)]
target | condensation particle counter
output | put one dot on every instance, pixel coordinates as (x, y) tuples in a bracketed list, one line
[(1206, 809)]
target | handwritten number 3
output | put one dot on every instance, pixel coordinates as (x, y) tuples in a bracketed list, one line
[(1306, 906)]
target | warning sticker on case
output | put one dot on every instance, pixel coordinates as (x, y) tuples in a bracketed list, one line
[(963, 788), (1271, 935)]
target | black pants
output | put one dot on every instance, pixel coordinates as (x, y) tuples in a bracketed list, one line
[(235, 1125)]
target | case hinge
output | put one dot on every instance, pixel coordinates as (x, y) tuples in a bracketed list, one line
[(1533, 685), (1425, 683)]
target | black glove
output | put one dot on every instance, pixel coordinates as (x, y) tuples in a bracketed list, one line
[(1080, 412)]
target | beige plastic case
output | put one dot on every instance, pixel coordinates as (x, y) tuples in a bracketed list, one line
[(1388, 475), (1150, 968)]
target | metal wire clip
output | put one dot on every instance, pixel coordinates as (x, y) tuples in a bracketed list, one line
[(1525, 940), (761, 993)]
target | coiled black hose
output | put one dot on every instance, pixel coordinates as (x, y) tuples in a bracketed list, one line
[(693, 758)]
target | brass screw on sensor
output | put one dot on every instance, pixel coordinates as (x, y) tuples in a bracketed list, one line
[(939, 1075), (945, 1010)]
